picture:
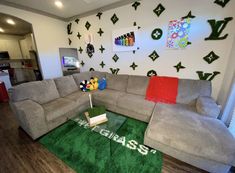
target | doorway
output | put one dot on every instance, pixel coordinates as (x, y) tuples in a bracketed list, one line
[(18, 53)]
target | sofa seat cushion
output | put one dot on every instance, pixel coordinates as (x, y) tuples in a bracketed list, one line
[(136, 103), (107, 96), (117, 82), (189, 90), (39, 91), (137, 85), (57, 108), (79, 97), (66, 85), (179, 127), (78, 77)]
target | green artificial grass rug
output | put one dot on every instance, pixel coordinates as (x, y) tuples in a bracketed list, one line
[(87, 151)]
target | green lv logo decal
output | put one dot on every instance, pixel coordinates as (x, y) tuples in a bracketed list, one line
[(207, 76), (217, 28), (114, 71)]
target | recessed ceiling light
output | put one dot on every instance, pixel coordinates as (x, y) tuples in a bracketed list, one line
[(59, 4), (11, 22), (1, 30)]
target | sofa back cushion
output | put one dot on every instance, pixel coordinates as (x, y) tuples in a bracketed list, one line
[(137, 85), (116, 82), (78, 77), (98, 74), (38, 91), (66, 85), (189, 90)]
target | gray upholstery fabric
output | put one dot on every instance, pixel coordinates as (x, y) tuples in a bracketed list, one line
[(137, 85), (79, 97), (107, 96), (207, 106), (179, 127), (31, 117), (62, 119), (136, 103), (38, 91), (98, 74), (202, 163), (78, 77), (66, 85), (116, 82), (189, 90), (58, 107), (132, 114)]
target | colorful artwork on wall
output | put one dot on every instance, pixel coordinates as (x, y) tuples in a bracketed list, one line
[(125, 39), (178, 31)]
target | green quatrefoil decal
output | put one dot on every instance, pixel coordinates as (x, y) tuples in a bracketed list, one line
[(179, 66), (69, 27), (211, 57), (135, 5), (99, 15), (80, 50), (91, 69), (222, 3), (133, 66), (87, 25), (101, 49), (115, 58), (79, 35), (189, 15), (159, 9), (100, 32), (154, 55), (102, 64), (82, 63), (151, 73), (156, 34), (77, 20), (114, 18)]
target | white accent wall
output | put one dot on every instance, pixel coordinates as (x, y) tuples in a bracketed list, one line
[(191, 57), (50, 35)]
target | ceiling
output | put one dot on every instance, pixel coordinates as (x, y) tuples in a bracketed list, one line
[(71, 7), (20, 28)]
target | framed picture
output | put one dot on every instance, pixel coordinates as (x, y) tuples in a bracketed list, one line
[(178, 31), (125, 39)]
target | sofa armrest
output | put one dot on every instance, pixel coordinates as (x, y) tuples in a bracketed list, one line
[(31, 117), (207, 106)]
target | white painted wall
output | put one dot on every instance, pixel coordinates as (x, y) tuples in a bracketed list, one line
[(191, 57), (50, 34), (226, 87)]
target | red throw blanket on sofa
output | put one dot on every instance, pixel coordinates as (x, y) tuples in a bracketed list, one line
[(162, 89)]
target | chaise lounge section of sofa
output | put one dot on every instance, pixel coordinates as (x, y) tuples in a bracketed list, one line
[(188, 130)]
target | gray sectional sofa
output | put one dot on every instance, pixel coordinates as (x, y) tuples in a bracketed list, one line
[(188, 130)]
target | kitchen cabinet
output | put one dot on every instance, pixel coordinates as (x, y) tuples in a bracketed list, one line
[(13, 48)]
